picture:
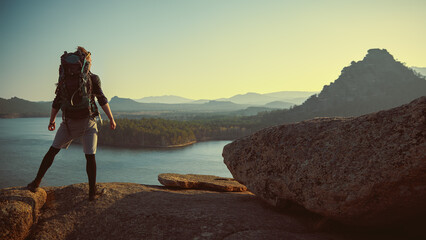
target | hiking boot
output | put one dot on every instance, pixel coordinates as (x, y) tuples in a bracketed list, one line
[(33, 186)]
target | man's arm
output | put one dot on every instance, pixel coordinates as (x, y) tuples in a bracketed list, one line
[(102, 100), (52, 123), (108, 112)]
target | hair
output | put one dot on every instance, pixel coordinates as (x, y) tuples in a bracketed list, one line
[(85, 52), (82, 50)]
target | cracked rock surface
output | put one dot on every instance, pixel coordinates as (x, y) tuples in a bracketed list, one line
[(135, 211), (20, 209), (367, 171)]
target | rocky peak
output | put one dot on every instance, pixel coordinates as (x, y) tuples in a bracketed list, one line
[(378, 55), (375, 83)]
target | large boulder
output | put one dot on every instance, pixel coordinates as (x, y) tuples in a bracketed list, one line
[(369, 170), (19, 210), (197, 181)]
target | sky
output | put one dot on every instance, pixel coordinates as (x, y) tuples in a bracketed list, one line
[(202, 49)]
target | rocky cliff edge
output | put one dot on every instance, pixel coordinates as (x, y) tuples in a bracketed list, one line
[(135, 211)]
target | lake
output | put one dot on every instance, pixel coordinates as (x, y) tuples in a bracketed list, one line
[(24, 141)]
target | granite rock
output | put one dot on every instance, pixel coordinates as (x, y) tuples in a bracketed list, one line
[(136, 211), (196, 181), (367, 170), (19, 211)]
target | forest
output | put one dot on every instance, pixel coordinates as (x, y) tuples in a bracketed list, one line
[(146, 132), (157, 132)]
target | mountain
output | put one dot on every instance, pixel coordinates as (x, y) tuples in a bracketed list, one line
[(296, 97), (126, 107), (129, 105), (124, 104), (421, 70), (375, 83), (250, 98), (164, 99), (253, 99), (200, 101), (279, 105), (257, 99), (17, 107), (290, 94)]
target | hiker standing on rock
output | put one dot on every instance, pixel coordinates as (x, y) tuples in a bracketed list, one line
[(75, 95)]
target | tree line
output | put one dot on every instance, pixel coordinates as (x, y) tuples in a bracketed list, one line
[(157, 132)]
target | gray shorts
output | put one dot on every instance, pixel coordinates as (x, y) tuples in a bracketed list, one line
[(85, 128)]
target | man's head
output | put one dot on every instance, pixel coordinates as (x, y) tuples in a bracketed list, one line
[(87, 54)]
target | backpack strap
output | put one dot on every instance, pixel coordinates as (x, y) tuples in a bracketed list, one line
[(84, 64)]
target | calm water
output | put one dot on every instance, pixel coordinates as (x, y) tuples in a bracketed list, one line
[(24, 141)]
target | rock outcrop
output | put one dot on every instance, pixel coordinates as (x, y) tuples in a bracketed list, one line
[(19, 210), (369, 170), (376, 83), (196, 181), (135, 211)]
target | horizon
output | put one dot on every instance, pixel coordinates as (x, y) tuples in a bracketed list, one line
[(202, 50), (123, 97)]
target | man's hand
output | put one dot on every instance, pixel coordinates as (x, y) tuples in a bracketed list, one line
[(108, 112), (52, 126), (112, 123)]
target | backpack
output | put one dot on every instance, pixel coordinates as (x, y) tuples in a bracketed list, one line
[(75, 86)]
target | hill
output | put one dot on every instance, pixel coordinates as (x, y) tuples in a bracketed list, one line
[(164, 99), (296, 97), (130, 108), (129, 105), (279, 105), (375, 83), (17, 107), (249, 98), (257, 99)]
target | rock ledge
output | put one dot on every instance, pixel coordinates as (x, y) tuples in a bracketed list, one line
[(196, 181)]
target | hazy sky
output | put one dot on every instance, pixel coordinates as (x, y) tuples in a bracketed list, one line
[(202, 49)]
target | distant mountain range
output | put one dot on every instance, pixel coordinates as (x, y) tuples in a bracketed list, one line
[(130, 106), (421, 70), (126, 107), (253, 99), (169, 99), (376, 83), (16, 107), (238, 103)]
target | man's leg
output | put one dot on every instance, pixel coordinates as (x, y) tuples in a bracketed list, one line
[(91, 174), (45, 164), (90, 140)]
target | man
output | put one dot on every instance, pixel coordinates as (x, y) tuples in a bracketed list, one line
[(76, 123)]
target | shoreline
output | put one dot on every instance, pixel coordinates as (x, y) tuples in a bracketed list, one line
[(147, 146)]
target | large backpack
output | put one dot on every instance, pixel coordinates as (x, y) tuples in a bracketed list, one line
[(75, 86)]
